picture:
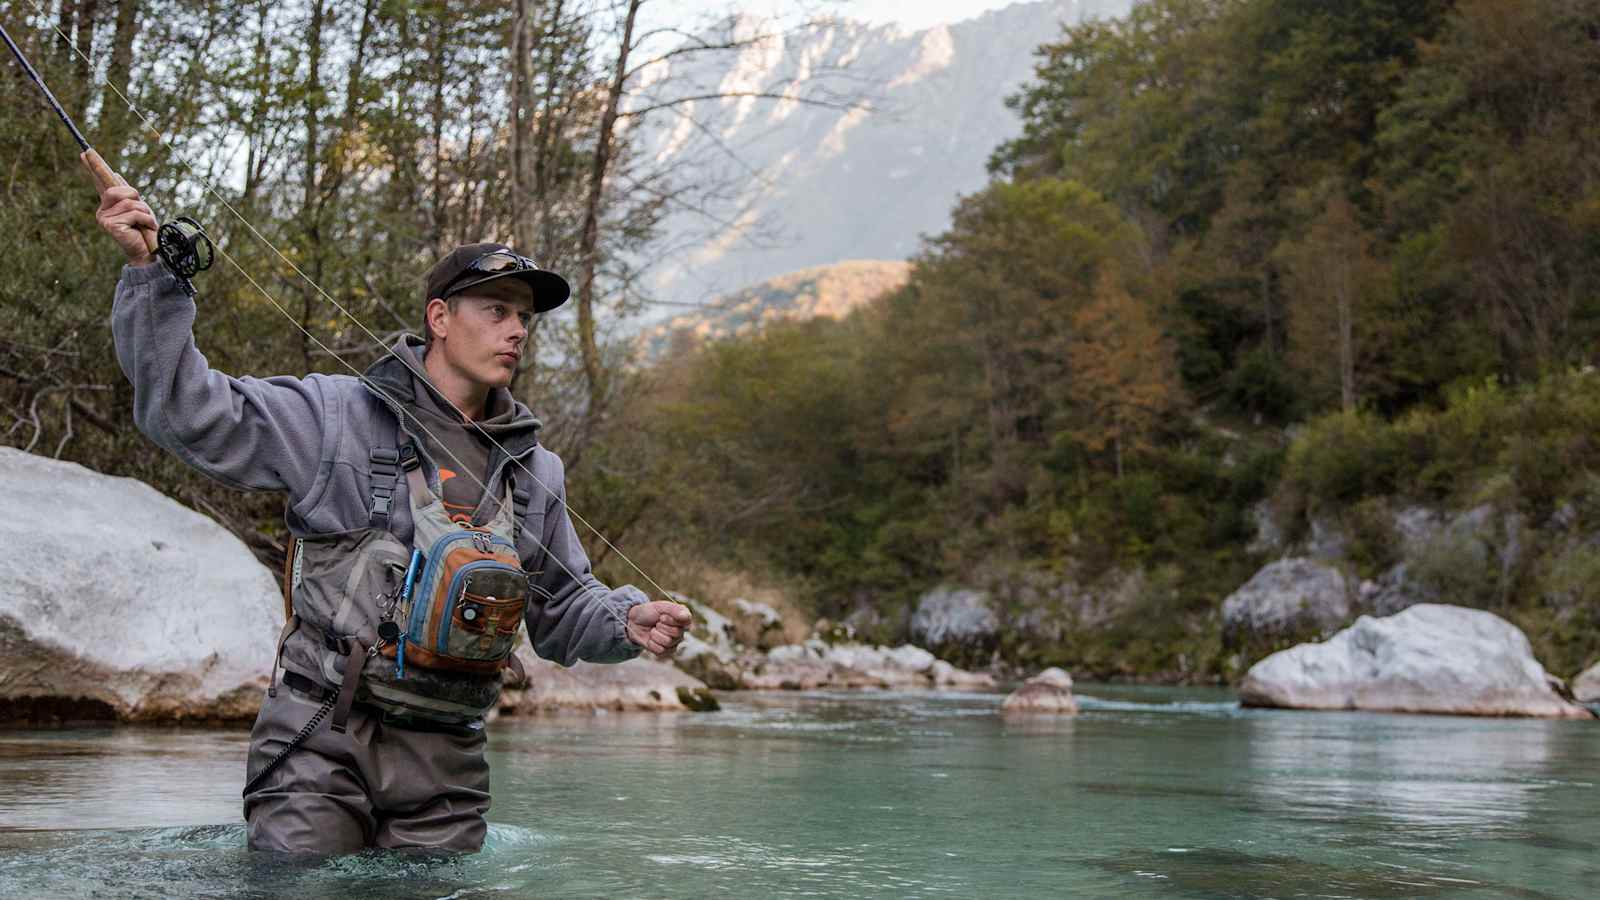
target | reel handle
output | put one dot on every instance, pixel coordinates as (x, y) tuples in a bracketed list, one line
[(105, 178)]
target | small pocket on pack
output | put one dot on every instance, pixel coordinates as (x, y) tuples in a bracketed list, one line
[(489, 614)]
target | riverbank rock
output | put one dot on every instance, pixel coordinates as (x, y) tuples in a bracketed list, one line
[(636, 685), (817, 664), (1586, 687), (1286, 597), (118, 603), (758, 624), (1048, 692), (955, 622), (710, 651), (1430, 658)]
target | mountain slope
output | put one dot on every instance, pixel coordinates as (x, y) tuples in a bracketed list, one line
[(806, 185), (831, 291)]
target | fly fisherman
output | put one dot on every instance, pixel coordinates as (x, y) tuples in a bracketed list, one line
[(422, 541)]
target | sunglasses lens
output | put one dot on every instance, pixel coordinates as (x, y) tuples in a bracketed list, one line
[(498, 262)]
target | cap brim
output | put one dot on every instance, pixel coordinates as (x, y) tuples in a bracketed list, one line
[(549, 289)]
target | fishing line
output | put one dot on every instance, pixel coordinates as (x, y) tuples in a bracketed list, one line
[(161, 139)]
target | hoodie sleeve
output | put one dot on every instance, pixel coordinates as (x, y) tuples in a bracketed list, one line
[(249, 433), (573, 615)]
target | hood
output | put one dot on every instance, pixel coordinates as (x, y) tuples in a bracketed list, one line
[(508, 422)]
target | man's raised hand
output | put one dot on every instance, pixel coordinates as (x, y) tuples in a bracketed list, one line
[(128, 220), (658, 626)]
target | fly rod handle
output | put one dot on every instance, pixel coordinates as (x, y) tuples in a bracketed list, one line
[(105, 178)]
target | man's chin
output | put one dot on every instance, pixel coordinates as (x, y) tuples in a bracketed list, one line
[(500, 376)]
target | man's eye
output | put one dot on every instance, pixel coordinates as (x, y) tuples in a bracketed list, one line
[(525, 318)]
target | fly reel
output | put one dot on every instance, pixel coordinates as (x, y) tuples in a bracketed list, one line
[(185, 249)]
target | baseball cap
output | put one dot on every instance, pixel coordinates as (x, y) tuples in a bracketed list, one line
[(470, 265)]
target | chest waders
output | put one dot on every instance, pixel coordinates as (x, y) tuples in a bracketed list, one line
[(421, 632)]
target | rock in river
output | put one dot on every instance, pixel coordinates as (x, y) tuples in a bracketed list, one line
[(1049, 691), (1430, 658), (120, 603)]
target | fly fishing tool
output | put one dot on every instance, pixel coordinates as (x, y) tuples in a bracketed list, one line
[(181, 244)]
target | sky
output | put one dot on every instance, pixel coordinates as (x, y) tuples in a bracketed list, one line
[(910, 14)]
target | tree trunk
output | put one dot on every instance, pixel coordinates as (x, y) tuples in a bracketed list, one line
[(308, 205), (589, 243), (545, 140), (1266, 312), (63, 28), (1347, 365), (114, 117), (255, 162), (436, 66), (88, 10), (522, 29)]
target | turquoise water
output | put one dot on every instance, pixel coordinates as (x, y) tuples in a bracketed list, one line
[(1150, 792)]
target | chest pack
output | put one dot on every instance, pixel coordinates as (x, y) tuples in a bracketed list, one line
[(420, 631)]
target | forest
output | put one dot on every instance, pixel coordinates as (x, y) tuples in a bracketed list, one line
[(1249, 263)]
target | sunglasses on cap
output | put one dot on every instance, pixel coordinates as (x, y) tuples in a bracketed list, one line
[(491, 264)]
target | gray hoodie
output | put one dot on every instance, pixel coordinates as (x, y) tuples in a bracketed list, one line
[(311, 438)]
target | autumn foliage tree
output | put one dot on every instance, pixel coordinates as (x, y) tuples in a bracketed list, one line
[(1124, 373)]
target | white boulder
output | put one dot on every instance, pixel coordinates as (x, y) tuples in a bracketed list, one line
[(117, 602), (1287, 596), (1586, 687), (1048, 692), (1430, 658)]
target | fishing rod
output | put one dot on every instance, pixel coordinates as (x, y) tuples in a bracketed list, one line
[(383, 348), (181, 244)]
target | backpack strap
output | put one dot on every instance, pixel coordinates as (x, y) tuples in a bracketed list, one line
[(384, 475), (387, 466)]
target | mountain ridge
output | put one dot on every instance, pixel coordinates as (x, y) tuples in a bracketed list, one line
[(805, 185)]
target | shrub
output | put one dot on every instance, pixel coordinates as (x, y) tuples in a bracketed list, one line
[(1344, 457), (1373, 542)]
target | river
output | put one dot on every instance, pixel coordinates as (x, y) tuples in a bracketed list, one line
[(1150, 792)]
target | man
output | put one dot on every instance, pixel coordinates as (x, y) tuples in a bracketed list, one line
[(374, 468)]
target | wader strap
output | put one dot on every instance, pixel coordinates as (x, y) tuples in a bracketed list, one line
[(347, 690), (288, 577), (384, 463), (289, 628)]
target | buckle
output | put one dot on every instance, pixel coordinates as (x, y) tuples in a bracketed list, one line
[(337, 645)]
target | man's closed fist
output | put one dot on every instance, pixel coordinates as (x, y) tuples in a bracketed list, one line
[(659, 625)]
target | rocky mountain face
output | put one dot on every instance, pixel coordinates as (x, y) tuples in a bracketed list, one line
[(830, 291), (803, 185)]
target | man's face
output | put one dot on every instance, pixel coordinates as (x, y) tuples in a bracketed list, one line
[(482, 337)]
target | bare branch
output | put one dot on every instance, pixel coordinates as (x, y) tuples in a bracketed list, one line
[(62, 445), (94, 418)]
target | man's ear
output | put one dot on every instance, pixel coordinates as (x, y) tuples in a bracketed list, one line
[(435, 313)]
